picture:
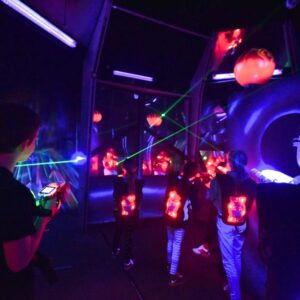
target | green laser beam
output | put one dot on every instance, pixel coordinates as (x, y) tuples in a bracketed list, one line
[(189, 131), (161, 140), (183, 95), (164, 115), (184, 128), (47, 163)]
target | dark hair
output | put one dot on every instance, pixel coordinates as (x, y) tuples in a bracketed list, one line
[(190, 169), (238, 159), (130, 163), (17, 124)]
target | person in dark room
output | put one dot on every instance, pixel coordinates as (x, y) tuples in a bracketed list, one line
[(20, 231), (178, 205), (127, 193), (233, 195)]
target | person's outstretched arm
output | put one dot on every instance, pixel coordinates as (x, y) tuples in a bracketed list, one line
[(19, 253)]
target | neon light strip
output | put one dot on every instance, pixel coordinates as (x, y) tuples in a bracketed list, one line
[(132, 75), (277, 72), (30, 14), (222, 76)]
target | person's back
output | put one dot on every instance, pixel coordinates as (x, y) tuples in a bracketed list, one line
[(20, 231), (232, 195), (177, 207), (127, 193)]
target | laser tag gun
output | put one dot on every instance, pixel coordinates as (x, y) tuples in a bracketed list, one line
[(52, 191), (56, 191), (173, 204)]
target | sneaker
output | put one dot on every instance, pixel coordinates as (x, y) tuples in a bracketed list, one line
[(115, 253), (168, 267), (179, 275), (128, 265), (202, 250), (175, 280)]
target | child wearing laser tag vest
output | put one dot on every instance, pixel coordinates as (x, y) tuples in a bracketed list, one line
[(127, 193), (233, 195), (176, 213)]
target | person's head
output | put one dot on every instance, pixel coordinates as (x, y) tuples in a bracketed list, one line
[(237, 160), (18, 129), (130, 165), (190, 169)]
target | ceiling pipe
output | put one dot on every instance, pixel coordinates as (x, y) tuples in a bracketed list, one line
[(156, 21)]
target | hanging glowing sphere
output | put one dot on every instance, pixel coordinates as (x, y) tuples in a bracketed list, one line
[(97, 117), (255, 66), (154, 119)]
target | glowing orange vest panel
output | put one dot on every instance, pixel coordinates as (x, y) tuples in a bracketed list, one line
[(128, 205), (236, 210), (173, 204)]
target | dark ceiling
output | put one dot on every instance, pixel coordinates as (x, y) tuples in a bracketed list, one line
[(141, 46), (144, 46), (204, 16)]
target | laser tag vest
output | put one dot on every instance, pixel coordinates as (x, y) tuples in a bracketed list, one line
[(128, 205), (177, 204), (127, 199), (173, 204), (236, 198)]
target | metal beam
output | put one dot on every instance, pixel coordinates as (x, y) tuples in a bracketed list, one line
[(156, 21), (90, 67)]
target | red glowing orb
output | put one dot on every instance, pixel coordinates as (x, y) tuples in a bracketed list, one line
[(154, 119), (255, 66), (97, 117)]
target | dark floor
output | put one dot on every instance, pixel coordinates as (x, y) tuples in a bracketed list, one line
[(87, 271)]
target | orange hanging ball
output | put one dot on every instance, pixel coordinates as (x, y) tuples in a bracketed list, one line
[(97, 116), (255, 66), (154, 119)]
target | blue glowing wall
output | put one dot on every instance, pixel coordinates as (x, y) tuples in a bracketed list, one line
[(263, 121)]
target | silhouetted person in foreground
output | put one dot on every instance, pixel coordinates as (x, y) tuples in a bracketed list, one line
[(20, 231)]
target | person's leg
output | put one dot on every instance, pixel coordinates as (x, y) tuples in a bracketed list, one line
[(238, 243), (117, 236), (128, 240), (210, 230), (226, 235), (176, 251), (170, 234)]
